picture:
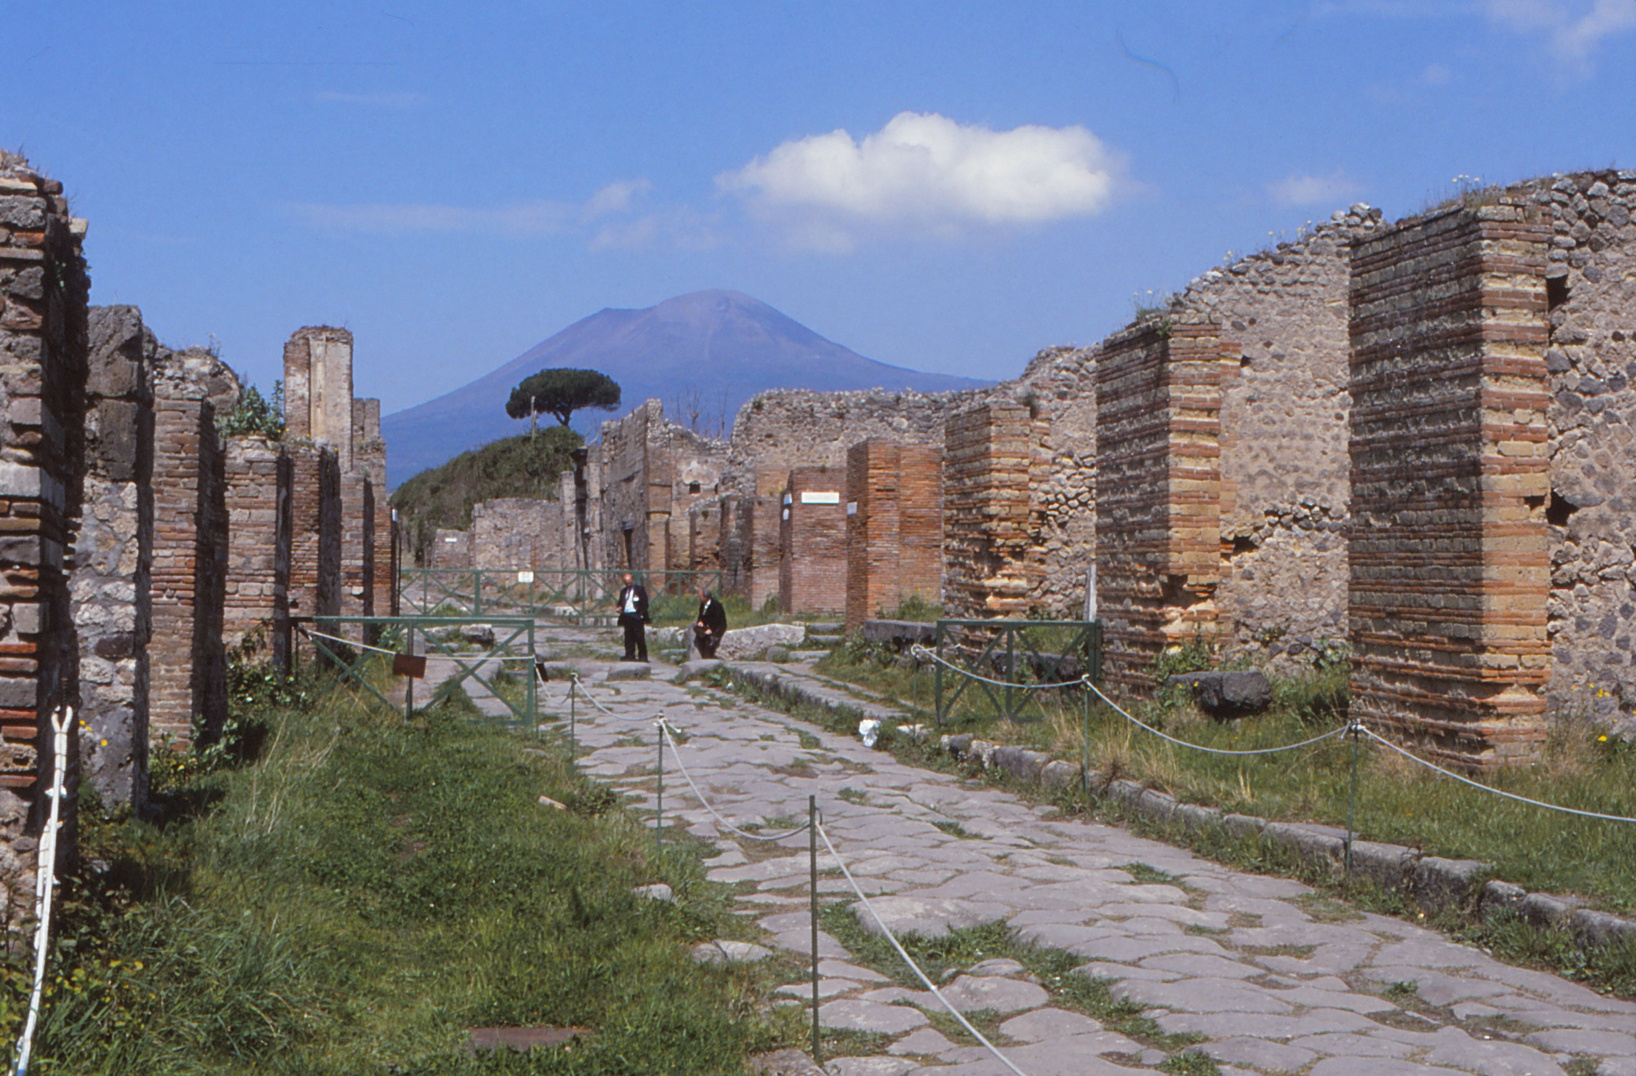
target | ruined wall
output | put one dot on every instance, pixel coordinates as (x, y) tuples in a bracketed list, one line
[(704, 538), (113, 558), (315, 530), (1591, 376), (652, 474), (1285, 485), (1450, 558), (188, 662), (43, 345), (450, 549), (812, 541), (517, 532), (780, 430), (1158, 492), (379, 553), (257, 500), (1058, 388), (894, 534)]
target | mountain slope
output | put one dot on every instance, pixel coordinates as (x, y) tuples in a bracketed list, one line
[(721, 346)]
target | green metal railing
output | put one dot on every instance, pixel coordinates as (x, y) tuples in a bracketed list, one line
[(1012, 662), (574, 595), (361, 651)]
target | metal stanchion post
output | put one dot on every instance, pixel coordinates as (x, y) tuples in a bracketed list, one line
[(573, 688), (659, 818), (409, 684), (1085, 749), (812, 851), (1352, 800)]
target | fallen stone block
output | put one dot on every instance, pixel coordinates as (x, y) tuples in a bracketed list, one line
[(741, 643), (1543, 910), (778, 655), (1600, 928), (1196, 819), (689, 670), (631, 670), (1243, 825), (656, 891), (1059, 774), (1387, 865), (722, 951), (1228, 694), (956, 745), (478, 634), (1020, 763), (1501, 896)]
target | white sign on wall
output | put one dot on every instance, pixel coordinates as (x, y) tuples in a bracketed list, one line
[(851, 508), (525, 577), (820, 497)]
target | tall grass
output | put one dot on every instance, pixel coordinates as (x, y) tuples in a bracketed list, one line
[(368, 891)]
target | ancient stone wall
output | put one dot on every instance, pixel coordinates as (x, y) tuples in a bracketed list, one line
[(113, 558), (1059, 390), (449, 549), (1591, 419), (1159, 488), (1450, 552), (652, 473), (704, 537), (783, 429), (43, 347), (357, 546), (517, 532), (187, 659), (258, 541), (318, 403), (315, 529), (1284, 435), (894, 534), (812, 541), (369, 460)]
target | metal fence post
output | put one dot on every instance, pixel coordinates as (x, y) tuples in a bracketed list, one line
[(659, 819), (937, 677), (812, 851)]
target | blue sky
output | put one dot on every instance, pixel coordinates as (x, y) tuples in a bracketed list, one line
[(948, 186)]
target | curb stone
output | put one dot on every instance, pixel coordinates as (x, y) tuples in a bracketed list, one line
[(1434, 883)]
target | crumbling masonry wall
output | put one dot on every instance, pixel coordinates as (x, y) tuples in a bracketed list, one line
[(43, 346), (993, 563), (256, 599), (113, 558), (517, 532), (315, 529), (1450, 552), (652, 473)]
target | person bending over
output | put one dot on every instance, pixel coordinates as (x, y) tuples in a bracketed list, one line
[(633, 614), (711, 625)]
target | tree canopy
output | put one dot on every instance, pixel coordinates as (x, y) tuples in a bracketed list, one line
[(561, 392)]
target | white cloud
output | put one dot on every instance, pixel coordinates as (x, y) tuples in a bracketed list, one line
[(370, 100), (606, 217), (1575, 27), (1305, 190), (927, 172)]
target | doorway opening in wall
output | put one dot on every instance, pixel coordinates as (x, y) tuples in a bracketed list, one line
[(629, 560)]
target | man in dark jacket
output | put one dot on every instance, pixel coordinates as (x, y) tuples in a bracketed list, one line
[(633, 614), (712, 622)]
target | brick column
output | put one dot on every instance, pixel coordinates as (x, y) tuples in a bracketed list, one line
[(812, 548), (992, 561), (1158, 529), (894, 546), (1450, 477), (258, 569), (315, 531)]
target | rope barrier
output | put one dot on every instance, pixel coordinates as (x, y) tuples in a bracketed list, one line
[(920, 651), (309, 633), (907, 959), (1332, 733), (45, 884), (676, 750), (580, 686), (1489, 788)]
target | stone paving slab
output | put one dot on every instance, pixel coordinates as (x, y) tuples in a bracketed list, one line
[(1237, 958)]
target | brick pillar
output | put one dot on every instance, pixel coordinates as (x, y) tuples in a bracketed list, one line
[(812, 571), (187, 658), (1450, 478), (43, 345), (315, 531), (730, 544), (759, 518), (992, 558), (894, 508), (1158, 530), (318, 404), (258, 569), (113, 558), (357, 554)]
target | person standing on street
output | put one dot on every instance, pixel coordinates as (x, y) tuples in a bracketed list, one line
[(711, 625), (633, 615)]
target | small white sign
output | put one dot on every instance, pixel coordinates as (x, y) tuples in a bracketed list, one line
[(820, 497), (851, 508), (786, 513), (525, 577), (451, 539)]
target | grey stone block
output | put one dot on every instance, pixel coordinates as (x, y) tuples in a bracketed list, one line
[(1196, 819), (698, 667), (1155, 806), (1544, 910), (956, 745), (1059, 774), (1600, 928), (635, 670), (1387, 865), (1228, 694), (1020, 763), (777, 655), (1243, 825), (899, 633), (1501, 896), (1446, 883), (1308, 843), (18, 694)]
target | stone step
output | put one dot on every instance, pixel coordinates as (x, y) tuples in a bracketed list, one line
[(825, 627), (831, 641)]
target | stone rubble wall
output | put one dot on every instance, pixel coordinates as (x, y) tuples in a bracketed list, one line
[(993, 562), (450, 549), (188, 661), (1450, 559), (517, 532), (812, 541), (1591, 422), (43, 357), (113, 558)]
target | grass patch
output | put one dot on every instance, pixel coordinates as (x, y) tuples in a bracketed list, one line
[(853, 795), (367, 891), (955, 829)]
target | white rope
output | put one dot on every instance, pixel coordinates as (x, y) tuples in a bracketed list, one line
[(309, 633), (45, 883), (675, 750), (580, 684), (1214, 750), (1489, 788), (907, 959)]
